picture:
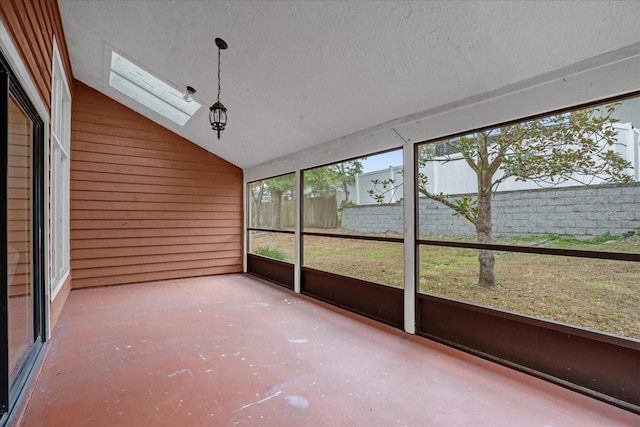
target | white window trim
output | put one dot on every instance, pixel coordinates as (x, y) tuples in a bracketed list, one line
[(60, 140)]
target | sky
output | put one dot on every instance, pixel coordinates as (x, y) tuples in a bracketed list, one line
[(382, 161)]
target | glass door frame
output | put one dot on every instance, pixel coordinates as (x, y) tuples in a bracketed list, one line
[(11, 390)]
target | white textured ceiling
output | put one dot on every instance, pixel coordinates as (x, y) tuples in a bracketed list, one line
[(298, 74)]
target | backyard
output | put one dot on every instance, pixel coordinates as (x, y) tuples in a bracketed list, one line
[(598, 294)]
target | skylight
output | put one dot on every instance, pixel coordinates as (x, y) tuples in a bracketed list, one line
[(150, 91)]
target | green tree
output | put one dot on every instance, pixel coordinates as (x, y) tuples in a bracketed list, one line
[(347, 172), (257, 190), (277, 187), (321, 182), (576, 146)]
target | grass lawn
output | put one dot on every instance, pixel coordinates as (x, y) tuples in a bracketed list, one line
[(598, 294)]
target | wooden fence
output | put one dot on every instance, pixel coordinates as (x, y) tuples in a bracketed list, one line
[(319, 212)]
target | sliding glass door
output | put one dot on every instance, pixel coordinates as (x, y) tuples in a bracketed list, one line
[(22, 284), (20, 309)]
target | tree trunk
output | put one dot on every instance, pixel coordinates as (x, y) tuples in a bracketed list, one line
[(277, 209), (255, 218), (345, 187), (256, 221), (257, 204), (486, 261), (486, 274), (254, 214)]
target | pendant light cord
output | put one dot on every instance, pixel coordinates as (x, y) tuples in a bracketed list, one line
[(218, 74)]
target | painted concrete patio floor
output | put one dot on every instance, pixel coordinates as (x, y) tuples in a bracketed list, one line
[(234, 350)]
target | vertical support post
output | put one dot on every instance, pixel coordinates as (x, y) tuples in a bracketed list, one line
[(635, 137), (246, 223), (297, 285), (409, 208)]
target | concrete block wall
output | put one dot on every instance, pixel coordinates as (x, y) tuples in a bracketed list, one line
[(577, 211), (374, 218)]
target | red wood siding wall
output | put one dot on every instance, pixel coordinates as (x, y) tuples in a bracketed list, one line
[(32, 25), (146, 204)]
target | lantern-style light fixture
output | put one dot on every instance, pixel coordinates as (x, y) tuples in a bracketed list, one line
[(218, 112)]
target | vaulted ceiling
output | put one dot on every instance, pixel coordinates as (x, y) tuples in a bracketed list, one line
[(300, 74)]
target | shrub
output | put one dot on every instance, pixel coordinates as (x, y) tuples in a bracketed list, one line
[(271, 252)]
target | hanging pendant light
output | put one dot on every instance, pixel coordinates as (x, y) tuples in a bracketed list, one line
[(218, 112)]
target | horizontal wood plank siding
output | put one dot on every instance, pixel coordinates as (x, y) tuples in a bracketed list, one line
[(32, 25), (146, 204), (129, 278)]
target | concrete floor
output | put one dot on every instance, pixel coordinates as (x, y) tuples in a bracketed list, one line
[(232, 350)]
